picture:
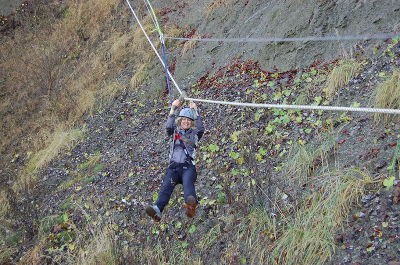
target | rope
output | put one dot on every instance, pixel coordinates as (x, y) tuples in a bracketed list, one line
[(299, 39), (152, 14), (166, 68), (162, 40), (152, 46), (257, 105), (304, 107)]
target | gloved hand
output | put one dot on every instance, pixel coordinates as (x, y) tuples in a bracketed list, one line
[(193, 106), (175, 105)]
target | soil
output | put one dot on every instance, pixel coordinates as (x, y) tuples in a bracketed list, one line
[(133, 166), (8, 6), (129, 134)]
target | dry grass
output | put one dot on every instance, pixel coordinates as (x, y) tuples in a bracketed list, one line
[(157, 252), (139, 76), (59, 74), (86, 19), (59, 71), (61, 139), (85, 170), (387, 96), (210, 238), (69, 183), (103, 249), (175, 31), (304, 160), (4, 204), (340, 76), (36, 255), (309, 238), (6, 253), (261, 228)]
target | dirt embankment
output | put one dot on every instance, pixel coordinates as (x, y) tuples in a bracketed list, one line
[(261, 19), (8, 6), (106, 179)]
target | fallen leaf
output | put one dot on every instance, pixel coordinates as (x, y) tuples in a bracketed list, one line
[(370, 249), (388, 182)]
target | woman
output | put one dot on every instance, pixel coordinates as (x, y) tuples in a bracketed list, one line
[(186, 130)]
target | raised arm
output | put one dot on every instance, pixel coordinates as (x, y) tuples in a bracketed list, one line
[(170, 124), (198, 120)]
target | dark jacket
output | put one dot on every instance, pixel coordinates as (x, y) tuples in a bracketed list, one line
[(192, 135)]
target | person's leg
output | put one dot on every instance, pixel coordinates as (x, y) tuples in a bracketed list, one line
[(189, 176), (166, 190)]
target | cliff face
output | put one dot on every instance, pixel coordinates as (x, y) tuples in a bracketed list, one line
[(8, 6), (275, 186), (263, 19)]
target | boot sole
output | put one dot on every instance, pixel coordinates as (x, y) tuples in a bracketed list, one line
[(191, 207), (152, 213)]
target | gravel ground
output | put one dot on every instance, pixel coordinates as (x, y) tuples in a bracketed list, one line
[(8, 6)]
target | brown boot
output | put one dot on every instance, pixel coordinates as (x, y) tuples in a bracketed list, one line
[(153, 212), (191, 205)]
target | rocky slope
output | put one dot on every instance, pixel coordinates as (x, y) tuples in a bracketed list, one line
[(104, 182)]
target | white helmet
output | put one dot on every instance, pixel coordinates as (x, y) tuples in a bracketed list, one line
[(187, 113)]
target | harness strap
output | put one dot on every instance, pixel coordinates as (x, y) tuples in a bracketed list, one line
[(178, 136)]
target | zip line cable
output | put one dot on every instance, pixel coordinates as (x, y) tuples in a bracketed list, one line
[(154, 48), (166, 68), (162, 40), (152, 14), (299, 39), (304, 107), (258, 105)]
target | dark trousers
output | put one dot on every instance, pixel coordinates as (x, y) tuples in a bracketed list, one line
[(177, 173)]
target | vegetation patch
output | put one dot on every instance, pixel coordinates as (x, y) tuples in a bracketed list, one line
[(255, 235), (340, 76), (387, 96), (302, 160), (60, 140), (85, 172), (103, 248), (309, 237), (6, 253), (4, 204)]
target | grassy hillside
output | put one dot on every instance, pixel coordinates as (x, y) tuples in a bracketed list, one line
[(81, 92)]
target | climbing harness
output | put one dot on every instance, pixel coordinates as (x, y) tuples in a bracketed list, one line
[(182, 139)]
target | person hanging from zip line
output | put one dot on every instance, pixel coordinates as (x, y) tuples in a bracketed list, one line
[(186, 130)]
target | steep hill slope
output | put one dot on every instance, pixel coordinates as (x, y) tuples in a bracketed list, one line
[(7, 6), (275, 186)]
